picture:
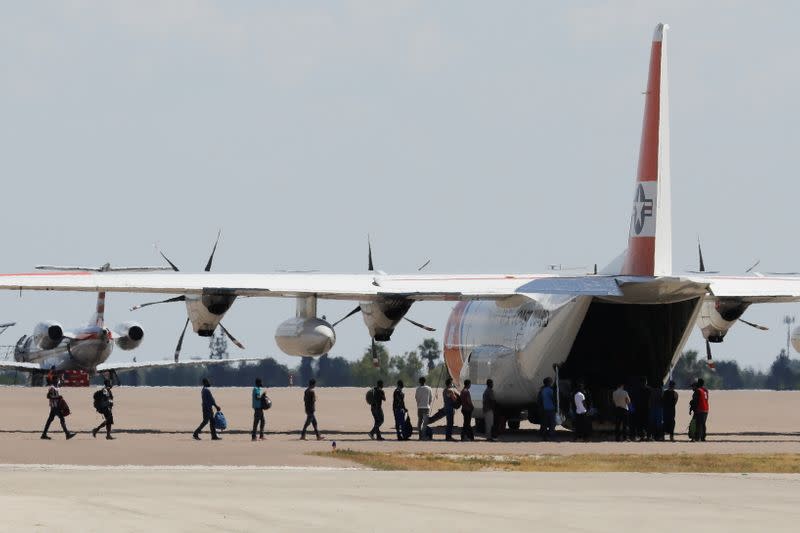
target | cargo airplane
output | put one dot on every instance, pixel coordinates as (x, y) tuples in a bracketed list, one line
[(630, 319)]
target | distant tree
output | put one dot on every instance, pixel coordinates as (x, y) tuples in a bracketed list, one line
[(689, 368), (365, 373), (306, 370), (407, 367), (334, 372), (730, 375), (429, 351), (218, 346), (781, 376)]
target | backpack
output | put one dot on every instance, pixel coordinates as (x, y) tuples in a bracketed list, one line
[(266, 403), (370, 396), (455, 399), (407, 428), (99, 400), (220, 422)]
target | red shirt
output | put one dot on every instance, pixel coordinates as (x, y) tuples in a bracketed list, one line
[(702, 400)]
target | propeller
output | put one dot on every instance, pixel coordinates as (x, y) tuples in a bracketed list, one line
[(709, 360), (182, 298), (753, 325)]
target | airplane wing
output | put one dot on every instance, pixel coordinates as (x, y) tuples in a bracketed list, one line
[(364, 286), (118, 367), (752, 289), (15, 365)]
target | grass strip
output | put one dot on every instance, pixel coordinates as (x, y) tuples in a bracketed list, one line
[(786, 463)]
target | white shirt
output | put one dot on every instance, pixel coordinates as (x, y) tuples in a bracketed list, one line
[(424, 397), (580, 405)]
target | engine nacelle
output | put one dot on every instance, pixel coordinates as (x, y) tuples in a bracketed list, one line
[(305, 336), (48, 335), (717, 316), (130, 335), (381, 316), (206, 311)]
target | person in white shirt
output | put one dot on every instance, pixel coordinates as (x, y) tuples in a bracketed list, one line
[(582, 422), (424, 397)]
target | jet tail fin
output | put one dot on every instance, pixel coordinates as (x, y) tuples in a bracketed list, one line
[(650, 238)]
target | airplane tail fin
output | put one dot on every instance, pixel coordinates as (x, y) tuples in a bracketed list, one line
[(98, 319), (650, 239)]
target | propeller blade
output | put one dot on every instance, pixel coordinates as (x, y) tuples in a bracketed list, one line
[(423, 326), (426, 263), (213, 251), (170, 300), (754, 325), (348, 315), (180, 341), (175, 268), (758, 262), (370, 265), (231, 337), (709, 360), (700, 256), (375, 361)]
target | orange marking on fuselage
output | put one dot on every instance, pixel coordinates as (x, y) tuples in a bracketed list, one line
[(452, 342)]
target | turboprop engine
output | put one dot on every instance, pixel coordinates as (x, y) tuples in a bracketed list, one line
[(48, 335), (305, 335), (130, 335), (717, 316)]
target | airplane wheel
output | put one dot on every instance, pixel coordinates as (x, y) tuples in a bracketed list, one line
[(513, 424)]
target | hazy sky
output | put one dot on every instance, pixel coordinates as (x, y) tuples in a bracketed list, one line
[(496, 137)]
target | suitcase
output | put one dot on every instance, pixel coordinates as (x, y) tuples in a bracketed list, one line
[(220, 422)]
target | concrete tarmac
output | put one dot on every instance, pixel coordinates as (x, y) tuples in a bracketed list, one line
[(225, 499)]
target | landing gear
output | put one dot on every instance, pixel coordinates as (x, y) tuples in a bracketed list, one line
[(513, 424)]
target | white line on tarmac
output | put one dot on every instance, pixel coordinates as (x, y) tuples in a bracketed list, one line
[(49, 467)]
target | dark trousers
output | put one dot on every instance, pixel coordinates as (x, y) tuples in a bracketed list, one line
[(548, 426), (669, 424), (208, 418), (377, 417), (466, 429), (312, 420), (55, 412), (621, 422), (701, 419), (583, 426), (107, 422), (399, 420), (258, 420), (450, 415)]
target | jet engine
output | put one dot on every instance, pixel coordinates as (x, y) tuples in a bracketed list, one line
[(717, 316), (305, 336), (48, 335), (130, 335)]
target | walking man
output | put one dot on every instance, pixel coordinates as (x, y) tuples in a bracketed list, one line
[(424, 397), (310, 403), (259, 396), (208, 414), (104, 402), (700, 398), (622, 405), (547, 403), (55, 401), (466, 409), (399, 409), (668, 402), (378, 397), (452, 401), (489, 405), (582, 421)]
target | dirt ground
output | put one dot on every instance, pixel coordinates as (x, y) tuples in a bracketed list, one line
[(154, 426)]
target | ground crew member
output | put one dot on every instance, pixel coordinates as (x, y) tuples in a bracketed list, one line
[(489, 405), (622, 405), (700, 399), (668, 402), (376, 407)]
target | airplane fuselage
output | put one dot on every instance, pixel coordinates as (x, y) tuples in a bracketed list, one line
[(91, 346)]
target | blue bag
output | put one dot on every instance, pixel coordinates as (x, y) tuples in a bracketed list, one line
[(220, 422)]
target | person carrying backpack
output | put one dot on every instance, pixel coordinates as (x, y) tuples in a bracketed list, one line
[(310, 404), (452, 402), (58, 408), (260, 402), (103, 403), (376, 407)]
